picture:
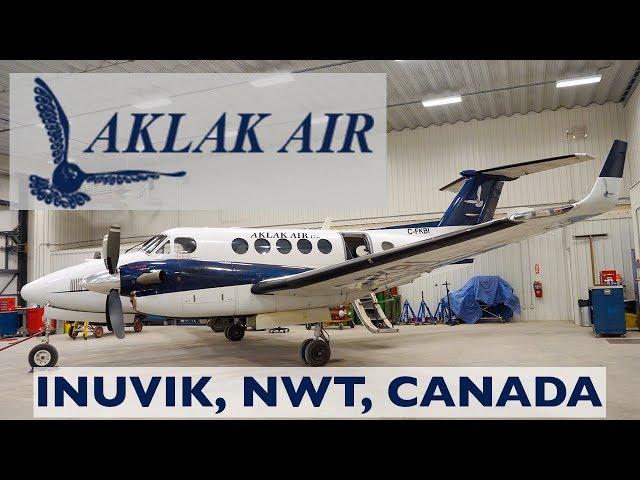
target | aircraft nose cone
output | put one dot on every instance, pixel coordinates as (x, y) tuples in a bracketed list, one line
[(32, 293), (101, 282)]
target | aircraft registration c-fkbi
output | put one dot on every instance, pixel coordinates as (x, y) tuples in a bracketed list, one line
[(277, 277)]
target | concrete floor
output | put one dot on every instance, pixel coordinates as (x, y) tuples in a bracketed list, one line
[(558, 343)]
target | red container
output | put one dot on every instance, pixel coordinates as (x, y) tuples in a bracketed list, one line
[(7, 304), (608, 276), (35, 320)]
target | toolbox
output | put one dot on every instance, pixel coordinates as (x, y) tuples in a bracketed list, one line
[(607, 310)]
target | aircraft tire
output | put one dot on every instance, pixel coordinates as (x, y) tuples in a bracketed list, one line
[(43, 355), (98, 331), (219, 325), (234, 332), (303, 349), (317, 353)]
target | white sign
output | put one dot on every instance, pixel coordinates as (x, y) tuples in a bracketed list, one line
[(197, 141), (300, 392)]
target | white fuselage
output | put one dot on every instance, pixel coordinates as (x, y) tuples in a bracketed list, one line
[(305, 248)]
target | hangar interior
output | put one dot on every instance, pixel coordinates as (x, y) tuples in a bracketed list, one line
[(511, 111)]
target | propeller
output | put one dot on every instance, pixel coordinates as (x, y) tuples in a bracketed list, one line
[(111, 248), (110, 254), (115, 317)]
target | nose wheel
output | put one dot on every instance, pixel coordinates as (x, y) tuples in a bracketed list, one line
[(316, 351), (43, 355)]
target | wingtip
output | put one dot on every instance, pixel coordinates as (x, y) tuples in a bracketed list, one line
[(614, 164)]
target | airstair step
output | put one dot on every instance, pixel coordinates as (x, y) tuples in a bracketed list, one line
[(368, 311)]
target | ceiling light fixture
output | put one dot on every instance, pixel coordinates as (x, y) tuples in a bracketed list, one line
[(273, 80), (572, 82), (154, 103), (442, 101)]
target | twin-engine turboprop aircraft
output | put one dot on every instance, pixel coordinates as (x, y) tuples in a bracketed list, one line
[(277, 277)]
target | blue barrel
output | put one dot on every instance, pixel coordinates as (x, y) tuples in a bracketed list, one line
[(9, 324)]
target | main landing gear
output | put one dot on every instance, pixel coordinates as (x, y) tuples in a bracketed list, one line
[(316, 351), (234, 332)]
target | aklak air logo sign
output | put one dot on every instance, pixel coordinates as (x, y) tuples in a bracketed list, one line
[(300, 392), (172, 141), (63, 189)]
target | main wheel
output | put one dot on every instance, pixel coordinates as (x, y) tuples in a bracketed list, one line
[(98, 331), (303, 349), (137, 326), (234, 332), (73, 333), (308, 326), (317, 353), (340, 326), (43, 355), (219, 325)]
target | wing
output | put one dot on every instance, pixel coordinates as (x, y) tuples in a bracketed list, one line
[(54, 120), (127, 176), (403, 264)]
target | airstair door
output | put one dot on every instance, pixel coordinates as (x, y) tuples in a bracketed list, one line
[(356, 245)]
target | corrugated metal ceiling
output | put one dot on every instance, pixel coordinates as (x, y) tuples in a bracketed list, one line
[(408, 82)]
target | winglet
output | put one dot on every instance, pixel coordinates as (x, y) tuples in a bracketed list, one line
[(614, 164)]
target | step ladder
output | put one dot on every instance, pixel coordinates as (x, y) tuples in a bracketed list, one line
[(369, 312)]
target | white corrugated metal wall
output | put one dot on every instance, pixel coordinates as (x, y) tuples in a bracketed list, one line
[(632, 121), (420, 161)]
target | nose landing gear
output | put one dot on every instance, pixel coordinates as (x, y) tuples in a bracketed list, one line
[(316, 351)]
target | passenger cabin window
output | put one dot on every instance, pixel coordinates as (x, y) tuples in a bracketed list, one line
[(240, 245), (304, 246), (165, 248), (387, 245), (283, 245), (324, 246), (184, 245), (262, 245)]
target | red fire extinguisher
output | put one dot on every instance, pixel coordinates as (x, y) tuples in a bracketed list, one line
[(537, 288)]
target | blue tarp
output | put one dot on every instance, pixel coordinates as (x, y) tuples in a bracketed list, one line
[(490, 290)]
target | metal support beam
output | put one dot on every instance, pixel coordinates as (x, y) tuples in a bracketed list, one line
[(23, 236)]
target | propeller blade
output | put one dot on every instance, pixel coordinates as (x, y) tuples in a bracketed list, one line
[(115, 317), (111, 248)]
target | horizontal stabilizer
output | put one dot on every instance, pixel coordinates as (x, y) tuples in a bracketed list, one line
[(516, 170)]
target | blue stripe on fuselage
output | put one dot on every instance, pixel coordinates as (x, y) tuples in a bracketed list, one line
[(184, 275)]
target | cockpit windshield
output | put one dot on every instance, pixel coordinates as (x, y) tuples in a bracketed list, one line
[(152, 243)]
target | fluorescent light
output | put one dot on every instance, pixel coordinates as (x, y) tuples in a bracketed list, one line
[(273, 80), (571, 82), (149, 104), (442, 101)]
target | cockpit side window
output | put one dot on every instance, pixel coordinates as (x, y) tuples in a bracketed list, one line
[(184, 245), (165, 248)]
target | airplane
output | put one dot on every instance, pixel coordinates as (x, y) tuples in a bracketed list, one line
[(267, 277)]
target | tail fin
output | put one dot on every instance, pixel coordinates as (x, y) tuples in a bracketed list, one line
[(608, 187), (478, 192), (614, 164)]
